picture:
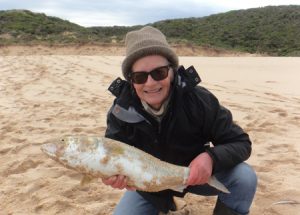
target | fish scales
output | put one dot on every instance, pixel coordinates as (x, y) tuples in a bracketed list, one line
[(103, 157)]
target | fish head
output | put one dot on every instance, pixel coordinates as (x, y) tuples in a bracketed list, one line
[(55, 148), (81, 153), (67, 146)]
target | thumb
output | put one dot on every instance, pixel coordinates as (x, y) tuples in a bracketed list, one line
[(192, 176)]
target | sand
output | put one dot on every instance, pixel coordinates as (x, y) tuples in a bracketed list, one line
[(46, 96)]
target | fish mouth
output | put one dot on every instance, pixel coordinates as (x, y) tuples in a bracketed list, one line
[(50, 149)]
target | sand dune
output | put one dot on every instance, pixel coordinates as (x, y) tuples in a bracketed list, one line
[(46, 96)]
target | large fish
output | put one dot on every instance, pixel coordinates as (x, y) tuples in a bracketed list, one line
[(103, 157)]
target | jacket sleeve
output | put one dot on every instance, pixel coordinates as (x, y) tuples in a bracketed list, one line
[(231, 144)]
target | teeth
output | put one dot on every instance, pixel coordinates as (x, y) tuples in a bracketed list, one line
[(152, 91)]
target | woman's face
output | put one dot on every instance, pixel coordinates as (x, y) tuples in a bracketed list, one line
[(153, 92)]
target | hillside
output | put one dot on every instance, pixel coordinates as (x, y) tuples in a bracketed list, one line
[(26, 27), (269, 30)]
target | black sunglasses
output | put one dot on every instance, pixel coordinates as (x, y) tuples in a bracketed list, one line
[(157, 74)]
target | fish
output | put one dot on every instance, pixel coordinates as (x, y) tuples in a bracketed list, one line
[(101, 157)]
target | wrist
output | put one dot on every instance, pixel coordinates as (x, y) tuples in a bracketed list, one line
[(210, 158)]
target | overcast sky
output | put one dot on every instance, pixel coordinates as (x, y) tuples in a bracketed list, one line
[(133, 12)]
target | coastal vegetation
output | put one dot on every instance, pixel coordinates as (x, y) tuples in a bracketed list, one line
[(271, 30)]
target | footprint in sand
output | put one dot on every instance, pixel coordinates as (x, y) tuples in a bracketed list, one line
[(5, 150), (271, 82), (18, 167), (280, 112)]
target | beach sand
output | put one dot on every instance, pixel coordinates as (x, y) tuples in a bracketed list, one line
[(46, 96)]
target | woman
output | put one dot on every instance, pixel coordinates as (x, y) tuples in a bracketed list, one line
[(161, 110)]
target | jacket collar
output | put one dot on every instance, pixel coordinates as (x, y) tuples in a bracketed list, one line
[(188, 78)]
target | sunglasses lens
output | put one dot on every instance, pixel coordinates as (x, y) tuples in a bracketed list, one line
[(139, 77), (160, 73)]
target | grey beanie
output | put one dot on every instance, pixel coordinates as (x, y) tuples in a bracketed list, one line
[(146, 41)]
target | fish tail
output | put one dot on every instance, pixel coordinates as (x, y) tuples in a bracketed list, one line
[(214, 182)]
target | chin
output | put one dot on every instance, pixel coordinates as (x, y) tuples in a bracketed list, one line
[(155, 105)]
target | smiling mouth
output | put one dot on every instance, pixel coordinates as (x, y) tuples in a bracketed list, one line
[(153, 91)]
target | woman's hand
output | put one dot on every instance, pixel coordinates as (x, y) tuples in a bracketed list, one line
[(200, 169), (118, 182)]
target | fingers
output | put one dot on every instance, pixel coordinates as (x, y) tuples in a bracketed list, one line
[(195, 177), (200, 169), (131, 188), (117, 181)]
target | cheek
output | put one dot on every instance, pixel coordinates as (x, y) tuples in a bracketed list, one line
[(167, 83), (138, 88)]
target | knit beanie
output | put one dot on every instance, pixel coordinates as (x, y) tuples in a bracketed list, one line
[(146, 41)]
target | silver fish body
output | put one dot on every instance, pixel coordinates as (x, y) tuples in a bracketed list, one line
[(103, 157)]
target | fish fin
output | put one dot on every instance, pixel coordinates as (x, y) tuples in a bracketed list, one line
[(179, 188), (214, 182), (86, 179)]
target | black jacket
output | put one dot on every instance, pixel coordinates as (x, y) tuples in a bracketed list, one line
[(194, 118)]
